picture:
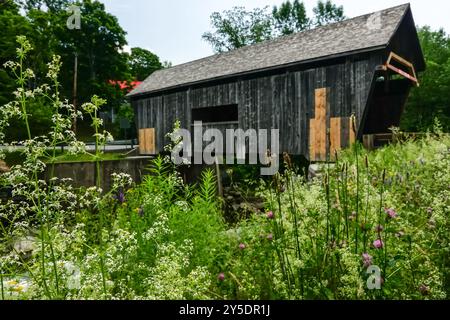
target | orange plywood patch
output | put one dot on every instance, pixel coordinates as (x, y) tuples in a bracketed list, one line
[(318, 126), (147, 141), (352, 127), (321, 104), (335, 136), (328, 134), (312, 139)]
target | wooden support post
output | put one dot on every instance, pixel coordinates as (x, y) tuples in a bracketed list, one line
[(368, 141)]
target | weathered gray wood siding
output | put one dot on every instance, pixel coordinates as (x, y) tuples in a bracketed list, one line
[(283, 101)]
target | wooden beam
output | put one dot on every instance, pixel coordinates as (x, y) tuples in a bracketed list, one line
[(403, 73), (321, 118), (142, 142), (368, 141), (394, 56), (406, 63), (151, 141), (312, 140), (335, 136)]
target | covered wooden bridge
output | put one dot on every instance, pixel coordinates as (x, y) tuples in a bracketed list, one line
[(308, 85)]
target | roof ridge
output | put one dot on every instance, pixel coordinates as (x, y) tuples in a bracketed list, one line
[(315, 29), (284, 37)]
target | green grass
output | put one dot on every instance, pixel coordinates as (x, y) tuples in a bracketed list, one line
[(64, 158), (164, 239), (17, 157), (14, 158)]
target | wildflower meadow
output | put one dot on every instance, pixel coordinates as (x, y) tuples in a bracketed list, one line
[(373, 226)]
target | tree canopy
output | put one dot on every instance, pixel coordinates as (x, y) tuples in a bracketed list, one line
[(143, 63), (327, 12), (51, 5), (98, 46), (431, 100), (11, 24), (291, 17), (239, 27)]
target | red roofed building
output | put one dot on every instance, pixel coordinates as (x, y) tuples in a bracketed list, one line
[(126, 85)]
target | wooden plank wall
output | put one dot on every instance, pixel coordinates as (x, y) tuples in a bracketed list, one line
[(285, 101)]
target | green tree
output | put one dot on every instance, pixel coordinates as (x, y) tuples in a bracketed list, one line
[(51, 5), (291, 17), (327, 12), (11, 24), (431, 100), (167, 64), (43, 40), (238, 27), (143, 63), (98, 46)]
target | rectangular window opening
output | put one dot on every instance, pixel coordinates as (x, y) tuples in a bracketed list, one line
[(219, 114)]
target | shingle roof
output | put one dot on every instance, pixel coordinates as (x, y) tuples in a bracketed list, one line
[(365, 32)]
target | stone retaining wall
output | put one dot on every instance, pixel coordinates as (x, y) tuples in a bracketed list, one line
[(84, 174)]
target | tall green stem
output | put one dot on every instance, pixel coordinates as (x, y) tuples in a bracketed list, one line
[(356, 146), (99, 185), (23, 103)]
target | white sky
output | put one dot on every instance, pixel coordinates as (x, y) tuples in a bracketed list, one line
[(173, 28)]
